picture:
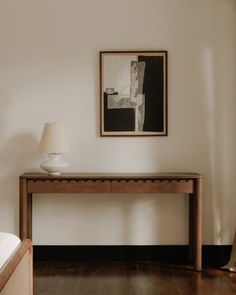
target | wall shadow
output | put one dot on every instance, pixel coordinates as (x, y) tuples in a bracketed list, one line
[(17, 155)]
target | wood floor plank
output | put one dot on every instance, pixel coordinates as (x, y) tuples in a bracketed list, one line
[(121, 278)]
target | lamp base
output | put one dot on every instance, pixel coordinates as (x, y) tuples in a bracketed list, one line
[(54, 165)]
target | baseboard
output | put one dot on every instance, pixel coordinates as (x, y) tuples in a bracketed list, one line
[(212, 255)]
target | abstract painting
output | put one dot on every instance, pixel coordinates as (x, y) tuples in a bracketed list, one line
[(133, 93)]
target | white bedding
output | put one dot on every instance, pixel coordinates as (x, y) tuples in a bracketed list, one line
[(8, 243)]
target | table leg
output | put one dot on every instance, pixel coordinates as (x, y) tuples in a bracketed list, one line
[(25, 211), (191, 228), (23, 206), (29, 214), (198, 225)]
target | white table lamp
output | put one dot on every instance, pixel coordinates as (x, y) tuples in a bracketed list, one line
[(54, 143)]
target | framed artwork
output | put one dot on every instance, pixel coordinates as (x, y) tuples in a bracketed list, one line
[(133, 93)]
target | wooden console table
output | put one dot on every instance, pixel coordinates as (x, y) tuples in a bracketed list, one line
[(187, 183)]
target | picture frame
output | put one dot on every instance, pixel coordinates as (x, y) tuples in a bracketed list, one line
[(133, 93)]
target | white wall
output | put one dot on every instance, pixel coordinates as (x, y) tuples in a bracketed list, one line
[(49, 71)]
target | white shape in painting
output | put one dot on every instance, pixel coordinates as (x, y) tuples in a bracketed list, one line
[(116, 72), (136, 92)]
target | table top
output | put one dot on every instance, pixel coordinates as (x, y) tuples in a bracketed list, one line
[(175, 175)]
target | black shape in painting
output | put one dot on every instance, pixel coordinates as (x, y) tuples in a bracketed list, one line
[(119, 119), (153, 91)]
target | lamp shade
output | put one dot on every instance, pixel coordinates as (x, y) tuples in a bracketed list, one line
[(53, 139)]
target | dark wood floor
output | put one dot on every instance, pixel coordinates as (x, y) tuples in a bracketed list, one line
[(120, 278)]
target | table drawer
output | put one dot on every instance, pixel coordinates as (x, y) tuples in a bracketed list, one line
[(152, 186), (68, 186)]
